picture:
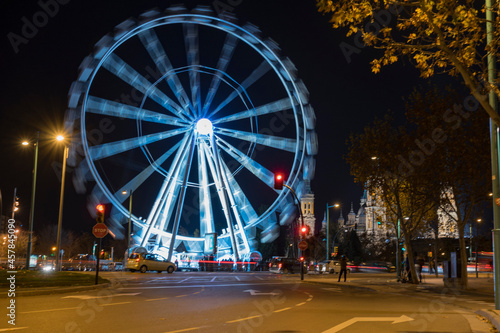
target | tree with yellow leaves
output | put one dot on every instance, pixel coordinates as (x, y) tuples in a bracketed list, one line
[(437, 36)]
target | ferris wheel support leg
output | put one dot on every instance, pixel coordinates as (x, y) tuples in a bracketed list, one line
[(225, 205), (182, 196)]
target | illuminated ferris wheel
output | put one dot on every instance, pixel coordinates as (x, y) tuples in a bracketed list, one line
[(193, 114)]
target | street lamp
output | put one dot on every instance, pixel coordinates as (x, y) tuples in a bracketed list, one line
[(328, 228), (475, 243), (59, 220), (129, 222), (32, 206)]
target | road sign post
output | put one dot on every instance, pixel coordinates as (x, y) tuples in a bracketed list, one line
[(99, 231)]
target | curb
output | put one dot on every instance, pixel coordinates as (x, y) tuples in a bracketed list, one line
[(492, 316)]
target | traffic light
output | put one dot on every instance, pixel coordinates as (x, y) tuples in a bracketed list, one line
[(304, 230), (16, 203), (100, 213), (301, 259), (278, 181)]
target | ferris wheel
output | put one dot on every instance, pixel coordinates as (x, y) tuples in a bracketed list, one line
[(190, 115)]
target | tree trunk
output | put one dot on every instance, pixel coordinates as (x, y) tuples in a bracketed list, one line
[(463, 259), (411, 260), (436, 254)]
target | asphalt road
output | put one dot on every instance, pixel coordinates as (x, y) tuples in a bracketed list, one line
[(247, 302)]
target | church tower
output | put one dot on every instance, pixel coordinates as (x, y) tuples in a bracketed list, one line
[(307, 202)]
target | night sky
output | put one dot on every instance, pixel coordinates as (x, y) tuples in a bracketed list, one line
[(36, 76)]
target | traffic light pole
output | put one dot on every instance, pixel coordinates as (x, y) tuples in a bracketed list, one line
[(302, 224)]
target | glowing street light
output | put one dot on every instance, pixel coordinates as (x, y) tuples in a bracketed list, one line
[(61, 201), (32, 206)]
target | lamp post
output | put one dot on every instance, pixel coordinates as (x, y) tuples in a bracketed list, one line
[(328, 227), (32, 206), (475, 243), (129, 222), (61, 200)]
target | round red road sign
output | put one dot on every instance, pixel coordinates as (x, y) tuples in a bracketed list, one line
[(303, 245), (100, 230)]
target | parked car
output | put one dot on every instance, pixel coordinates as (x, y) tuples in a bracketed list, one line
[(284, 265), (330, 266), (144, 262)]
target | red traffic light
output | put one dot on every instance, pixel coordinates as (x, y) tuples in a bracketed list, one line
[(278, 181), (100, 208), (303, 230), (301, 259), (100, 213)]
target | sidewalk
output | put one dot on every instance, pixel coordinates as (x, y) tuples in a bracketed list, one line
[(483, 286)]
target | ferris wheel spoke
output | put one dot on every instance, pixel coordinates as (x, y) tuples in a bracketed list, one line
[(117, 147), (167, 190), (276, 142), (226, 55), (156, 51), (259, 72), (251, 165), (138, 180), (206, 214), (106, 107), (277, 106), (129, 75), (193, 61), (241, 203)]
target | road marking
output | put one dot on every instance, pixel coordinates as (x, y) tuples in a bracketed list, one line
[(156, 299), (206, 285), (184, 280), (12, 329), (281, 310), (237, 278), (395, 320), (242, 319), (186, 329), (49, 310), (105, 296), (116, 303), (300, 304), (254, 292), (180, 295)]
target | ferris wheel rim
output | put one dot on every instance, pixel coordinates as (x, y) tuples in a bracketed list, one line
[(298, 108)]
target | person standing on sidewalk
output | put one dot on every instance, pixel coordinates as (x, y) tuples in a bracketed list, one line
[(343, 267)]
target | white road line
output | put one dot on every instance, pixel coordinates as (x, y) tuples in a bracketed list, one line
[(184, 280), (213, 279), (237, 278), (284, 309), (12, 329), (242, 319)]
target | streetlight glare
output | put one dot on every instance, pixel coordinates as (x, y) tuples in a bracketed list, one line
[(60, 138), (25, 143), (124, 192)]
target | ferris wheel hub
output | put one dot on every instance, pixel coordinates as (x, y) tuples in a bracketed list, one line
[(204, 127)]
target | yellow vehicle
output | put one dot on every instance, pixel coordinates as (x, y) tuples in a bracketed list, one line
[(144, 262)]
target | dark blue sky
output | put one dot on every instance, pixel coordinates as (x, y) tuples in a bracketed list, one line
[(37, 72)]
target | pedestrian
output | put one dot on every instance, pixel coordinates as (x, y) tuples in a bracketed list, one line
[(343, 267)]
